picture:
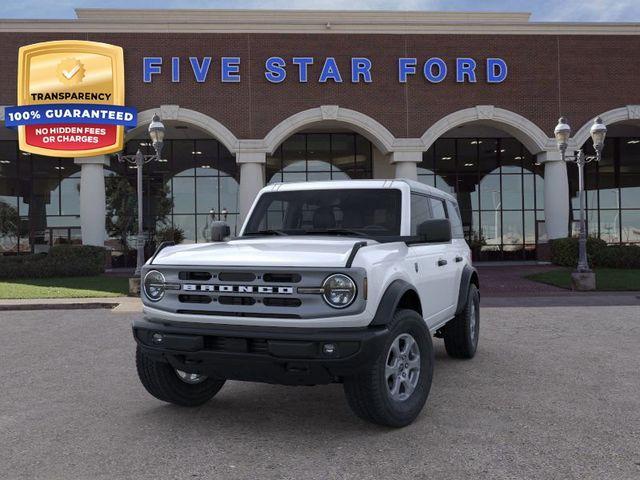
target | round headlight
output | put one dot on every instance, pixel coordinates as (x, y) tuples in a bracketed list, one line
[(154, 285), (339, 290)]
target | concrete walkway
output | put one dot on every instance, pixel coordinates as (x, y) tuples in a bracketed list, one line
[(509, 281)]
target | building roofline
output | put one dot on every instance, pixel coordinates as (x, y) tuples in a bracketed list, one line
[(285, 15), (310, 21)]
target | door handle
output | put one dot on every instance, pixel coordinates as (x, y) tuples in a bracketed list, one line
[(458, 259), (442, 262)]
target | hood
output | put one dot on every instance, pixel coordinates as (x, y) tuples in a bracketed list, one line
[(291, 251)]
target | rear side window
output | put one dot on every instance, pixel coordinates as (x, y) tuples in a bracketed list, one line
[(456, 221), (437, 207), (419, 211)]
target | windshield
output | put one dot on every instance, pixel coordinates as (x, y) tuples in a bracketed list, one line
[(356, 212)]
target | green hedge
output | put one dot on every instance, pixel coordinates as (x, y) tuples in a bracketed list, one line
[(618, 256), (61, 261), (564, 252)]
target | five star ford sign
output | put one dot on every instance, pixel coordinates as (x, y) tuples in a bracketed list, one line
[(70, 99)]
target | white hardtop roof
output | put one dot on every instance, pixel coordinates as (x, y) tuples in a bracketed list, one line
[(398, 183)]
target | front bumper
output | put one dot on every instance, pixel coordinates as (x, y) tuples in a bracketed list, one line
[(288, 356)]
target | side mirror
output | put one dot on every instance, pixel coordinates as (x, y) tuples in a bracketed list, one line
[(219, 231), (437, 230)]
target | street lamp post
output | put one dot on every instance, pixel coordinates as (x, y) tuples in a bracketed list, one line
[(562, 133), (156, 133)]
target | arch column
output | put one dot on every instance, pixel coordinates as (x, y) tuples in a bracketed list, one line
[(251, 179), (406, 164), (93, 208), (556, 194)]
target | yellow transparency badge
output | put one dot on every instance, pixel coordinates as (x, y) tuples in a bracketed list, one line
[(71, 99)]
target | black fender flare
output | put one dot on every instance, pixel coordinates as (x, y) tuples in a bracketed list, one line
[(389, 302), (469, 275)]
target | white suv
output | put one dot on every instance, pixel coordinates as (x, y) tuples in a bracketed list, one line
[(342, 281)]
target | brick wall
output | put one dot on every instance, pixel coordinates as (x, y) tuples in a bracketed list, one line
[(578, 76)]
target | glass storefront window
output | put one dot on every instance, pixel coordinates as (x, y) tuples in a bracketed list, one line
[(319, 152), (612, 191), (182, 158), (488, 154), (499, 189), (187, 223), (193, 178), (445, 155), (610, 226), (511, 155), (512, 230), (630, 225), (206, 195), (512, 192), (320, 156), (70, 196), (490, 193), (467, 191), (184, 200), (630, 190)]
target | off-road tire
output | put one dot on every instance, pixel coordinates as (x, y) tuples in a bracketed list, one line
[(161, 381), (460, 339), (368, 394)]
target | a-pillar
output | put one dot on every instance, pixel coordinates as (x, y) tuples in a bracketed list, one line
[(251, 179), (406, 164), (556, 194), (92, 199)]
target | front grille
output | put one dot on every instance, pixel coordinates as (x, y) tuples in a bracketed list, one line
[(194, 298), (267, 292), (281, 277), (236, 277), (228, 300), (196, 276), (236, 345), (282, 302)]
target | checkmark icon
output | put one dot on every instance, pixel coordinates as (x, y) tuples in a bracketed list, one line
[(71, 73)]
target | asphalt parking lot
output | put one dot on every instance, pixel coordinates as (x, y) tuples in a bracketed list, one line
[(554, 392)]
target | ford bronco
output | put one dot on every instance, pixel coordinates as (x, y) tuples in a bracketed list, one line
[(342, 281)]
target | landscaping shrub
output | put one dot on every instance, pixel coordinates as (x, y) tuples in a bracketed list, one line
[(564, 252), (618, 256), (61, 261)]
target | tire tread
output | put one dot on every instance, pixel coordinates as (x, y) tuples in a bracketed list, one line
[(364, 393), (456, 340), (161, 381)]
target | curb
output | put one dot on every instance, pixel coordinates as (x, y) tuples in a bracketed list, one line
[(582, 299), (56, 306)]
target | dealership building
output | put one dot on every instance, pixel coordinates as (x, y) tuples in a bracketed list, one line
[(466, 102)]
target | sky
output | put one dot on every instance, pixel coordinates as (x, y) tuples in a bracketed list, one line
[(542, 10)]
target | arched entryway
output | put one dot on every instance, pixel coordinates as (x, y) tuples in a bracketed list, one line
[(327, 143), (613, 185), (196, 181), (487, 158), (39, 199)]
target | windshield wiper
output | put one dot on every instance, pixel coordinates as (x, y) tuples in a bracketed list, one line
[(266, 232), (336, 231)]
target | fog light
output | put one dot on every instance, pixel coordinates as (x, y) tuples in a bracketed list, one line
[(157, 338), (329, 348)]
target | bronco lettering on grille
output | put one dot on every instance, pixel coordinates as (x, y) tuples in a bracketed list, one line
[(263, 289)]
